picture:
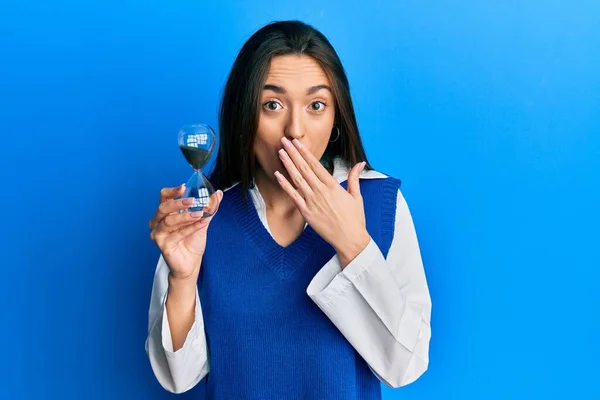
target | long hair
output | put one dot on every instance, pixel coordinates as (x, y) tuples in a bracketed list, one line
[(240, 106)]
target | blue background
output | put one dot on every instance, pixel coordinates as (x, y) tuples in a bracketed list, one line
[(489, 111)]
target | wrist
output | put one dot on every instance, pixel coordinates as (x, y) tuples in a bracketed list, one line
[(173, 278), (352, 248), (184, 279), (182, 286)]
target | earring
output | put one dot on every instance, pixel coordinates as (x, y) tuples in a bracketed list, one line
[(338, 135)]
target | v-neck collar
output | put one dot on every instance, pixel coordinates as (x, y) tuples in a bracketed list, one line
[(284, 261)]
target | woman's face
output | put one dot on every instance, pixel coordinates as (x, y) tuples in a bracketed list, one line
[(297, 103)]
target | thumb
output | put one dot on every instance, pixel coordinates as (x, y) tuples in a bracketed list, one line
[(214, 207), (353, 181)]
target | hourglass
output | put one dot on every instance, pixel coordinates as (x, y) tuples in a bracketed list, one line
[(197, 143)]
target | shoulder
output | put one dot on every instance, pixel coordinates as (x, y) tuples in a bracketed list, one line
[(394, 197), (341, 169), (389, 183), (373, 174), (371, 178)]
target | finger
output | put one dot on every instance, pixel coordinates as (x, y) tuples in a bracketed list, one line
[(293, 193), (214, 202), (295, 175), (353, 179), (161, 230), (180, 234), (175, 221), (314, 164), (195, 226), (302, 164), (171, 192), (170, 206)]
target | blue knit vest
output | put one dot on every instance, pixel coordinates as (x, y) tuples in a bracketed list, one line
[(267, 339)]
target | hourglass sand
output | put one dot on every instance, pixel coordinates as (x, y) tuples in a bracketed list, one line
[(197, 143)]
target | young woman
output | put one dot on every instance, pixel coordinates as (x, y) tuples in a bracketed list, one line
[(307, 283)]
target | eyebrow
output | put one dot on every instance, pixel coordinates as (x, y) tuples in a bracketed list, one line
[(310, 90)]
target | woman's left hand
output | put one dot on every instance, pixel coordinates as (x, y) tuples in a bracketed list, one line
[(335, 214)]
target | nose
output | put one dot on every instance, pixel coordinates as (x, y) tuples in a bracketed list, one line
[(294, 128)]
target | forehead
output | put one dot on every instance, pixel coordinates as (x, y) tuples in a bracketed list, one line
[(296, 71)]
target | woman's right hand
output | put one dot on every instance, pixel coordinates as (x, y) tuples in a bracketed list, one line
[(181, 237)]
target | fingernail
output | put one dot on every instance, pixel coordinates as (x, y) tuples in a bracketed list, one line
[(286, 141), (196, 214), (282, 154), (298, 144), (187, 201)]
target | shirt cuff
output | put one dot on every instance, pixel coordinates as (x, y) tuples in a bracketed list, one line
[(328, 283), (332, 280), (370, 276)]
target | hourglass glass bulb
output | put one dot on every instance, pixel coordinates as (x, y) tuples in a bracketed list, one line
[(197, 143)]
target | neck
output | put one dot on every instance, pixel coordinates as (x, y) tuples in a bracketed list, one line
[(275, 198)]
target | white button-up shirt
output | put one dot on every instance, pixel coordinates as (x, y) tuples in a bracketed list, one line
[(381, 305)]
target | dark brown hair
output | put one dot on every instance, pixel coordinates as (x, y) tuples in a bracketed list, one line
[(240, 106)]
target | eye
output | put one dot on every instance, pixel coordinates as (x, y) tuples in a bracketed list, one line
[(271, 105), (318, 106)]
